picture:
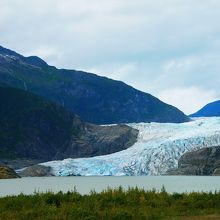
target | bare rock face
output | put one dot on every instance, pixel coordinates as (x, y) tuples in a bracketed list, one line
[(7, 173), (16, 164), (205, 161), (36, 170), (100, 140)]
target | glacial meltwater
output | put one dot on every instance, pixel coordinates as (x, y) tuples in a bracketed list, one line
[(85, 185)]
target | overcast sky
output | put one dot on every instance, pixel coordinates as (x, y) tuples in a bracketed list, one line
[(169, 48)]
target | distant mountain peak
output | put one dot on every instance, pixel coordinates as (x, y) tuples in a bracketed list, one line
[(36, 61), (32, 60), (210, 110)]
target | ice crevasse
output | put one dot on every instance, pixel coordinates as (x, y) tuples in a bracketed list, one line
[(158, 149)]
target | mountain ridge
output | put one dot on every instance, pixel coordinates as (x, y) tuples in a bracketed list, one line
[(95, 99), (209, 110), (32, 60)]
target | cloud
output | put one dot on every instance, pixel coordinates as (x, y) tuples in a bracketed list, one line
[(46, 53), (189, 100), (155, 46)]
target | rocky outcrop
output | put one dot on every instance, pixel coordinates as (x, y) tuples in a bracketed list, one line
[(205, 161), (100, 140), (7, 173), (35, 171), (16, 164)]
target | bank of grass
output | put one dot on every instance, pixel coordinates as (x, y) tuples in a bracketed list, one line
[(119, 204)]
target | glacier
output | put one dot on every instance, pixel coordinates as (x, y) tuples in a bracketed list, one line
[(158, 149)]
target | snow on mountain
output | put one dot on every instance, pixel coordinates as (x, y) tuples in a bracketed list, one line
[(158, 149)]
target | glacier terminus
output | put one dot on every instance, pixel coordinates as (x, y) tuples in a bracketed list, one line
[(158, 149)]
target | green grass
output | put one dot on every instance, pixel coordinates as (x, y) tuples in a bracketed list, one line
[(112, 204)]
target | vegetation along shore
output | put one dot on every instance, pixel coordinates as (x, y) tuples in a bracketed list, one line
[(117, 203)]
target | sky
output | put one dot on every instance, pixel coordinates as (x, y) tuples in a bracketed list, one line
[(169, 48)]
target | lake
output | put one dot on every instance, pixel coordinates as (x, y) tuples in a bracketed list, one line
[(84, 185)]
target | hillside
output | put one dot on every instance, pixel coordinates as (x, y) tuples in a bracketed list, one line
[(34, 129), (210, 110), (95, 99), (7, 173)]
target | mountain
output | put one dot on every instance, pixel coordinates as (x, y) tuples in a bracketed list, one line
[(33, 129), (95, 99), (157, 150), (210, 110)]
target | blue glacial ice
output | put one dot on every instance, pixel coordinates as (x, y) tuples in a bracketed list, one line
[(158, 148)]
